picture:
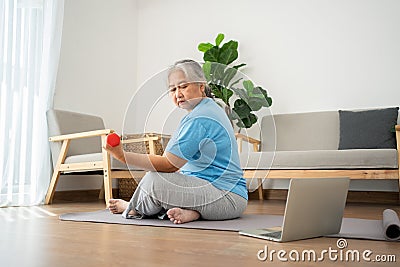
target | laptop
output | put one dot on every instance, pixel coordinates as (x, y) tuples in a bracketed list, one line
[(314, 207)]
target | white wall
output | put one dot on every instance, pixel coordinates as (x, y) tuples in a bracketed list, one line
[(310, 55), (97, 70)]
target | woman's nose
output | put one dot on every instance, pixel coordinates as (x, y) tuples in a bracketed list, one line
[(178, 93)]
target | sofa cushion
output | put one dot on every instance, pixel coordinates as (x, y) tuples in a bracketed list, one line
[(321, 159), (368, 128), (300, 131)]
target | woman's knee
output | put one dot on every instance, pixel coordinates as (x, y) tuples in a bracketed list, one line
[(152, 181)]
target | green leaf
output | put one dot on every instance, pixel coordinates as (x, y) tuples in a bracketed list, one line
[(239, 66), (230, 45), (240, 124), (217, 73), (249, 86), (241, 108), (227, 56), (253, 119), (229, 50), (212, 54), (257, 103), (264, 93), (247, 122), (204, 47), (222, 93), (233, 116), (269, 101), (241, 93), (228, 76), (207, 70), (226, 95), (217, 90), (219, 39), (235, 82)]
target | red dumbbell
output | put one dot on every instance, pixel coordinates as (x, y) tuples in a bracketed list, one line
[(113, 139)]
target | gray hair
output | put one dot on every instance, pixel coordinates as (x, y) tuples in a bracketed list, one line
[(193, 72)]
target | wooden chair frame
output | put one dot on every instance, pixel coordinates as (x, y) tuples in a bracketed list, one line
[(103, 165)]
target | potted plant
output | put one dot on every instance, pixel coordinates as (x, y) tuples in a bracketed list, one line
[(226, 81)]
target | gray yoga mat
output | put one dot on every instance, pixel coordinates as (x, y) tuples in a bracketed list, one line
[(386, 229), (246, 221)]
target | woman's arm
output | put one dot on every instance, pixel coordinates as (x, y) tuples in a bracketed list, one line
[(166, 163)]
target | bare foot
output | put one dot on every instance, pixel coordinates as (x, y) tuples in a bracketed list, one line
[(117, 205), (178, 215)]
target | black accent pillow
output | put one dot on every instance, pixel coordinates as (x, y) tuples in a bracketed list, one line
[(368, 128)]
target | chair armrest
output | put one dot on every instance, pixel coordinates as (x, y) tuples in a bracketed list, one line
[(397, 127), (148, 137), (247, 139), (80, 135), (240, 137)]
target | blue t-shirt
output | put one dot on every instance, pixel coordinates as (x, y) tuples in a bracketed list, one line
[(205, 139)]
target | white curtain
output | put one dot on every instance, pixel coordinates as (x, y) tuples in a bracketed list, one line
[(30, 41)]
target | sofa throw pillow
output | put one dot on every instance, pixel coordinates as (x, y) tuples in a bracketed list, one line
[(368, 128)]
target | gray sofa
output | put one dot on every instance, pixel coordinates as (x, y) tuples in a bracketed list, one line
[(358, 144)]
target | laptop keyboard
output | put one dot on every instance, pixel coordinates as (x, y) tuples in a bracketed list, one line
[(273, 234)]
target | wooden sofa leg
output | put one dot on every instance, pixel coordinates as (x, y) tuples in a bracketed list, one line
[(397, 128), (260, 189), (398, 201)]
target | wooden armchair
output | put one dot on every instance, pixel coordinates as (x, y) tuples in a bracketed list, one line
[(77, 142)]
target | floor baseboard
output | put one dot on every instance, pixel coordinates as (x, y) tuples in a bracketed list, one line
[(269, 194), (79, 195), (352, 196)]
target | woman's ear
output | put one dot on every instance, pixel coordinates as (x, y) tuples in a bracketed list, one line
[(202, 87)]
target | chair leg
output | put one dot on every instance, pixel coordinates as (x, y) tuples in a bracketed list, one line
[(52, 187), (107, 187), (102, 192), (57, 172), (106, 171), (260, 189)]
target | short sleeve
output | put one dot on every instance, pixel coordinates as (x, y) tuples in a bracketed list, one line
[(187, 140)]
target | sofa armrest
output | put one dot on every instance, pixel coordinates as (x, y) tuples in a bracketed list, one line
[(397, 128), (80, 135), (241, 137)]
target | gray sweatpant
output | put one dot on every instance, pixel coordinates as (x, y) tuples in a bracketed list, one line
[(157, 192)]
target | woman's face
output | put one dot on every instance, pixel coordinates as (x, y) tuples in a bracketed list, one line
[(184, 94)]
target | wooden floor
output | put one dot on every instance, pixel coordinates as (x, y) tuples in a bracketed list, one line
[(34, 236)]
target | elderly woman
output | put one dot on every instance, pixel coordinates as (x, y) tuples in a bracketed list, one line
[(199, 175)]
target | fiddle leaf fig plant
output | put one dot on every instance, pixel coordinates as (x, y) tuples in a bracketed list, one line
[(225, 81)]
